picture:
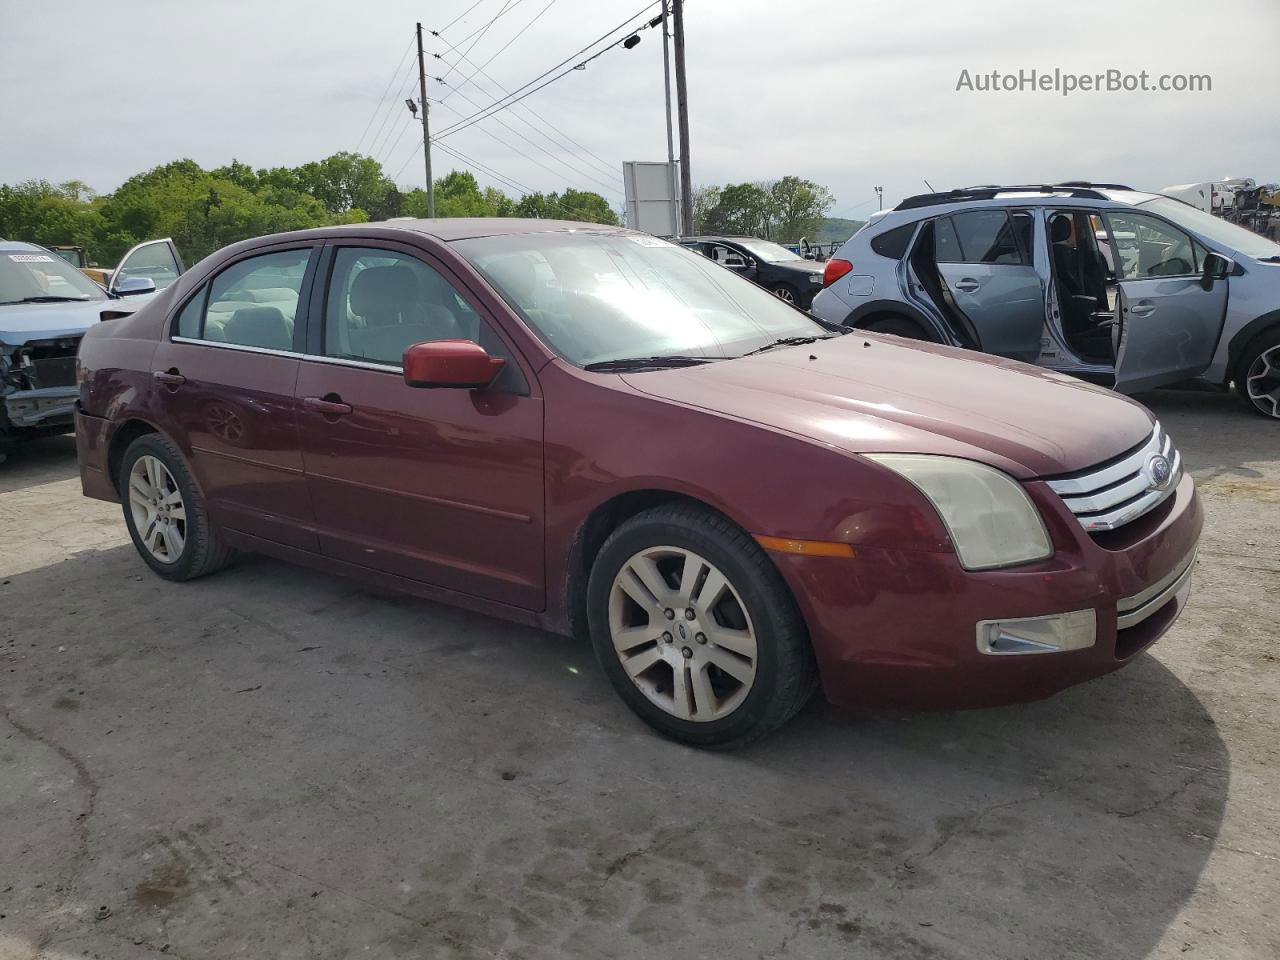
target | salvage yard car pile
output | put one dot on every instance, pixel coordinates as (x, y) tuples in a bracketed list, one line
[(594, 431)]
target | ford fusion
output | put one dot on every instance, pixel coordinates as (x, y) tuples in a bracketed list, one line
[(599, 433)]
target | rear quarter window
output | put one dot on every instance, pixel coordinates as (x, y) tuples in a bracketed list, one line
[(894, 243)]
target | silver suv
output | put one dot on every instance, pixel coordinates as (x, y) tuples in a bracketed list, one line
[(1129, 289)]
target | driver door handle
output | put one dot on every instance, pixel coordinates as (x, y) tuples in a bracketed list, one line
[(967, 284), (170, 378), (1143, 308), (326, 407)]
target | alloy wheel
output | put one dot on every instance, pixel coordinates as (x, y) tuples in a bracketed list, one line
[(785, 294), (159, 515), (682, 633), (1262, 383)]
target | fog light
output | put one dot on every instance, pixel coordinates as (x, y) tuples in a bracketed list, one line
[(1053, 634)]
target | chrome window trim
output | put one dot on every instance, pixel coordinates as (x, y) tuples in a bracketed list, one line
[(1112, 496), (1131, 611), (338, 361)]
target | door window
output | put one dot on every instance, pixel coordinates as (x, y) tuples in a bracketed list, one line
[(946, 245), (254, 302), (382, 302), (156, 261), (1150, 248), (985, 236)]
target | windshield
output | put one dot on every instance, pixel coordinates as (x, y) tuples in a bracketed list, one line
[(768, 252), (595, 297), (38, 275), (1214, 229)]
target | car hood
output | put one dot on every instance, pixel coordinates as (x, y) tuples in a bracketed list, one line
[(876, 394), (22, 322)]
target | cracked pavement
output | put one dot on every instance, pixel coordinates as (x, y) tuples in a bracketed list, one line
[(273, 763)]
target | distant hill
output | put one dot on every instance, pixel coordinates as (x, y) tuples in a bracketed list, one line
[(836, 230)]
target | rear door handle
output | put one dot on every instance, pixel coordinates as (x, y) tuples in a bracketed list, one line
[(967, 285), (1143, 308), (170, 378), (327, 406)]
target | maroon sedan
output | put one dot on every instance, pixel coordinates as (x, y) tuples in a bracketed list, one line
[(593, 431)]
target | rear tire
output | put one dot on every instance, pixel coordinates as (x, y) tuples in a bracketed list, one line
[(165, 511), (1257, 375), (736, 645), (899, 326)]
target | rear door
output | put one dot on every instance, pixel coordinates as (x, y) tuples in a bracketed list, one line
[(224, 381), (155, 260), (985, 260), (1168, 324)]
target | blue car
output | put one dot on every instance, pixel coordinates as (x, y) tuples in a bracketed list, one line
[(46, 305)]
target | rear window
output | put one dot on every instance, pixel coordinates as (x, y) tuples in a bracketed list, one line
[(986, 236), (893, 243)]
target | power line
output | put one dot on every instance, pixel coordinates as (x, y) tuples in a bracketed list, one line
[(519, 33), (382, 100), (576, 170), (460, 16), (513, 99), (600, 162), (508, 5), (378, 144)]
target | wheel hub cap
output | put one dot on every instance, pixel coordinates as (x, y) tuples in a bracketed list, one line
[(1262, 384), (159, 515), (682, 633)]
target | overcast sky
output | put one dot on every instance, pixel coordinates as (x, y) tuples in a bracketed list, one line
[(849, 93)]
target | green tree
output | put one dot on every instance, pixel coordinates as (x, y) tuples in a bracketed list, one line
[(347, 181), (705, 197), (40, 212), (797, 208), (743, 208), (587, 206)]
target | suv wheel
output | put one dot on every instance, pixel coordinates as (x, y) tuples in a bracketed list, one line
[(696, 629), (165, 513), (1258, 375)]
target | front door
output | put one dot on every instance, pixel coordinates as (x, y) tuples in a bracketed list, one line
[(224, 383), (1168, 323), (155, 260), (436, 485), (984, 259)]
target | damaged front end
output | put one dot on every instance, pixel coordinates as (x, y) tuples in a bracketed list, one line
[(37, 387)]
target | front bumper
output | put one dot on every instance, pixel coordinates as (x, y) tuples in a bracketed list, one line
[(900, 629), (41, 409)]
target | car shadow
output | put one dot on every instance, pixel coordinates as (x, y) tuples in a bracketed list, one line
[(309, 755), (38, 461)]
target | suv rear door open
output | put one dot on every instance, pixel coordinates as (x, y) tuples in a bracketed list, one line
[(1170, 316), (985, 259)]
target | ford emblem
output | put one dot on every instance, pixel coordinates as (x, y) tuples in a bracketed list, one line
[(1159, 471)]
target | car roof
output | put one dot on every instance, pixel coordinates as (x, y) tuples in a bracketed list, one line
[(925, 206), (466, 228), (718, 236)]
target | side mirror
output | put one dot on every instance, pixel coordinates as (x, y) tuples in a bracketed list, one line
[(132, 286), (1216, 267), (460, 364)]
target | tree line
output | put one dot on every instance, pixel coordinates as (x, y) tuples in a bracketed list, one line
[(204, 210), (785, 209)]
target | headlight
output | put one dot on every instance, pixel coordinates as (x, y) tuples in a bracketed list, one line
[(992, 521)]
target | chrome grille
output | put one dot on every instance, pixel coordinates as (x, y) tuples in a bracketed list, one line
[(1121, 490)]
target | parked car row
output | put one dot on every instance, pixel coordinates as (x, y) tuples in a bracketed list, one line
[(46, 305), (598, 432), (1130, 289)]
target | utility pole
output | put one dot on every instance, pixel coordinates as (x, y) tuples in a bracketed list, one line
[(682, 107), (426, 127), (666, 84)]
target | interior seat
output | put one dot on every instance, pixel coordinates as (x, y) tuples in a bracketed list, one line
[(1082, 294), (390, 302), (264, 327)]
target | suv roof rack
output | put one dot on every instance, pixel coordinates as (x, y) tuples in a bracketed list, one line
[(1075, 188)]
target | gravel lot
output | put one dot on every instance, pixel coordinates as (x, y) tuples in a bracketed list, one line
[(276, 763)]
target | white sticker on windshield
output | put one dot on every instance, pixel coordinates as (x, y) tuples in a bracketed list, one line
[(31, 258), (646, 241)]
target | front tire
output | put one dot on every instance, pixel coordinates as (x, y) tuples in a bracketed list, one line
[(1257, 375), (696, 629), (165, 512)]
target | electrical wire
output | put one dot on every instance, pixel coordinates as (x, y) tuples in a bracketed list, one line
[(498, 105), (519, 33), (508, 5), (377, 145), (382, 99), (461, 15)]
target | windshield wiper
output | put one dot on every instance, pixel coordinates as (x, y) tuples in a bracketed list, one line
[(50, 299), (784, 342), (642, 363)]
